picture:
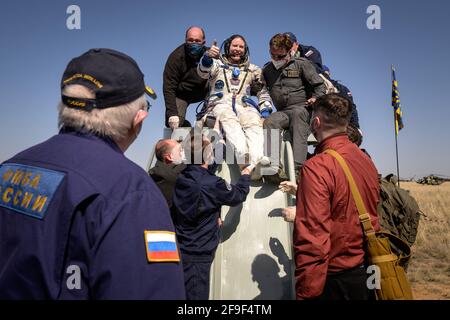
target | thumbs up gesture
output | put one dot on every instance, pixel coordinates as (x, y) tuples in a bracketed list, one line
[(213, 52)]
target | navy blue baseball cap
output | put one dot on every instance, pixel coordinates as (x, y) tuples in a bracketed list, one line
[(114, 77), (291, 36)]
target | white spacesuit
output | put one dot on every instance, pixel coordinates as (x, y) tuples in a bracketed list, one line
[(231, 86)]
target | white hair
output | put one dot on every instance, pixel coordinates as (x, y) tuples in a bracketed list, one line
[(114, 122)]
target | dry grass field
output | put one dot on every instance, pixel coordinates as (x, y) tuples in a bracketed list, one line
[(429, 269)]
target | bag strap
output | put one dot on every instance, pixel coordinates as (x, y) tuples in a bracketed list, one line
[(364, 217)]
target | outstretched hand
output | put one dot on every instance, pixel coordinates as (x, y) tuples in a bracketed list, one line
[(288, 187), (248, 169), (289, 214)]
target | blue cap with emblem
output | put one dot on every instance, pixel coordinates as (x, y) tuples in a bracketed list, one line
[(114, 77)]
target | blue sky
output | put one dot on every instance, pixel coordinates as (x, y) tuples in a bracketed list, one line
[(36, 46)]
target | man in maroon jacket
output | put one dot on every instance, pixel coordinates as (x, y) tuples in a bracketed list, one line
[(328, 238)]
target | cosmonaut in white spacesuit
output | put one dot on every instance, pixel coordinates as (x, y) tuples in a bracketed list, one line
[(232, 81)]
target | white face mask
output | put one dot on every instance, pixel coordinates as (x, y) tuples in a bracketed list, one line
[(177, 161), (278, 63), (178, 156)]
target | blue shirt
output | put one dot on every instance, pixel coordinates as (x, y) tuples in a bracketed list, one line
[(73, 214)]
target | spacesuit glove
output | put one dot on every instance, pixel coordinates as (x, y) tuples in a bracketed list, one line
[(265, 113), (206, 61), (174, 122)]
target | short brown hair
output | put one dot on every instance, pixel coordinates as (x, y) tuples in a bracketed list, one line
[(281, 41), (335, 110)]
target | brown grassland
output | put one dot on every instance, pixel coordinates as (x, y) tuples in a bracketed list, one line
[(429, 269)]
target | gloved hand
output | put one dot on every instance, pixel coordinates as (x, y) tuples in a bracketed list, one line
[(206, 61), (265, 113), (174, 122), (214, 50)]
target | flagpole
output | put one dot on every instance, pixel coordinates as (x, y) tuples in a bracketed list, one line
[(396, 152), (396, 133)]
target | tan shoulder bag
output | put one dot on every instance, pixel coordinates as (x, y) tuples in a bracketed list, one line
[(394, 284)]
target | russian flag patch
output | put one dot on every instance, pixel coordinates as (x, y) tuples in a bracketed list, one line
[(161, 246)]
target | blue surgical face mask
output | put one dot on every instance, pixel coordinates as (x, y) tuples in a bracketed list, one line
[(195, 49)]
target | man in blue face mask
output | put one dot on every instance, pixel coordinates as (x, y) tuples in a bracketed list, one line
[(181, 84)]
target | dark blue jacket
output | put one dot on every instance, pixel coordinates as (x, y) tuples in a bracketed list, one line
[(198, 198), (346, 93), (75, 206), (313, 55)]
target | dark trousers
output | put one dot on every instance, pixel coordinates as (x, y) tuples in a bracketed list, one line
[(347, 285), (296, 119), (182, 107), (196, 279)]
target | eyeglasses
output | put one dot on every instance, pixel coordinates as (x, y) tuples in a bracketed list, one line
[(147, 106), (278, 56)]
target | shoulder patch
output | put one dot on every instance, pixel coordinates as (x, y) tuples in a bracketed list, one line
[(310, 52), (28, 190), (161, 246)]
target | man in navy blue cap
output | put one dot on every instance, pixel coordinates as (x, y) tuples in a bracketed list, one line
[(346, 93), (309, 52), (78, 219)]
